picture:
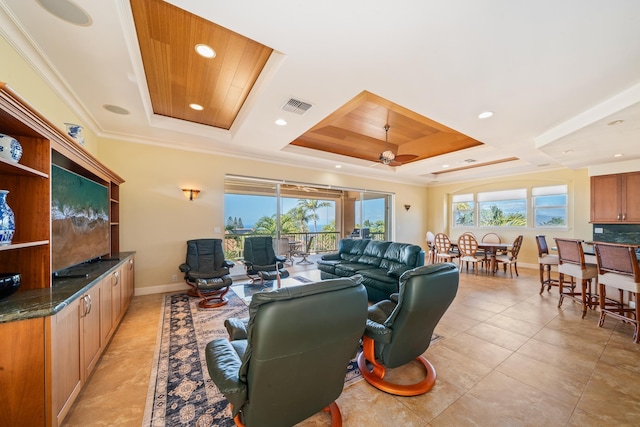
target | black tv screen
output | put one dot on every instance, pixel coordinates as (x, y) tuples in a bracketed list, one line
[(79, 219)]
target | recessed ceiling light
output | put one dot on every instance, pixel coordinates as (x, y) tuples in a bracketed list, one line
[(615, 122), (196, 107), (205, 51), (67, 11), (281, 122), (115, 109), (485, 115), (445, 166), (618, 155), (338, 166)]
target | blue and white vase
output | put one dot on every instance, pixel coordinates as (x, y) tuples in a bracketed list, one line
[(10, 148), (7, 220), (75, 132)]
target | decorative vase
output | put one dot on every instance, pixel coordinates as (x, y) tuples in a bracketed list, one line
[(75, 132), (7, 220), (10, 148)]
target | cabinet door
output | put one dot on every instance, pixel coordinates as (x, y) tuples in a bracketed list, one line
[(91, 339), (116, 295), (66, 375), (631, 206), (128, 285), (605, 199), (107, 324), (22, 373)]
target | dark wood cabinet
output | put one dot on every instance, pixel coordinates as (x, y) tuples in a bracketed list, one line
[(614, 198)]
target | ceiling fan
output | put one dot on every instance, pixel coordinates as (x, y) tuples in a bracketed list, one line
[(387, 157)]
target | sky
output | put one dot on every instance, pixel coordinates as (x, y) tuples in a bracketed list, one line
[(252, 208)]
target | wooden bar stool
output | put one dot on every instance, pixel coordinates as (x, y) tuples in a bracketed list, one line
[(618, 268), (546, 262), (571, 263)]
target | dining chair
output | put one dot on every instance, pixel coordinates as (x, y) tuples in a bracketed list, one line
[(443, 248), (510, 258), (305, 251), (618, 268), (468, 249), (281, 247), (545, 262), (571, 263), (430, 238)]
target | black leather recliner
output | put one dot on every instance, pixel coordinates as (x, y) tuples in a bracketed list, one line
[(399, 330), (288, 361), (207, 272), (261, 260)]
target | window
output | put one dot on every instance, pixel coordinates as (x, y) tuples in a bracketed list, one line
[(503, 208), (550, 206), (463, 210)]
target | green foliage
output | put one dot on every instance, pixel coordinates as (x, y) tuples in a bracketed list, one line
[(494, 217), (312, 206), (463, 213)]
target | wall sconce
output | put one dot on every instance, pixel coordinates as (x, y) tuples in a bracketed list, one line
[(407, 207), (191, 193)]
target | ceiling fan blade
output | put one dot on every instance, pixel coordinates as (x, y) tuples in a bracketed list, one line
[(402, 158)]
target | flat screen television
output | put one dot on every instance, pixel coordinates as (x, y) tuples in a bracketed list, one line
[(79, 219)]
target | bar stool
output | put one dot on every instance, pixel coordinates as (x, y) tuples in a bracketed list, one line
[(545, 261), (618, 268), (571, 263)]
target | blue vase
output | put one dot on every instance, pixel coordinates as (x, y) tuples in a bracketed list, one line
[(10, 148), (7, 220)]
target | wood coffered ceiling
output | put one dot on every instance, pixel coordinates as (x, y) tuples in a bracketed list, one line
[(357, 130), (177, 76)]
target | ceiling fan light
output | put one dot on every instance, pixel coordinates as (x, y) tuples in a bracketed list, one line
[(387, 157)]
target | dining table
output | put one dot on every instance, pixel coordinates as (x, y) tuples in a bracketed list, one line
[(491, 250)]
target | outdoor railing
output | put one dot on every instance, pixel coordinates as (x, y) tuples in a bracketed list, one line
[(323, 242)]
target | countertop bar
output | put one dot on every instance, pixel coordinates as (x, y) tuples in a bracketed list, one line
[(34, 303)]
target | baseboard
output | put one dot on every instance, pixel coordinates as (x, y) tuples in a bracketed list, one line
[(161, 289)]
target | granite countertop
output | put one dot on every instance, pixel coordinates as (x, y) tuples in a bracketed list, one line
[(32, 303)]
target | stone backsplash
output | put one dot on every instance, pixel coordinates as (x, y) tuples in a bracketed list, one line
[(617, 233)]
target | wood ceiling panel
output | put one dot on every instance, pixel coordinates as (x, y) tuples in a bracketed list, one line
[(357, 130), (177, 76)]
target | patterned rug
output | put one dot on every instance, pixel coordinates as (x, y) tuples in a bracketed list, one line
[(181, 392)]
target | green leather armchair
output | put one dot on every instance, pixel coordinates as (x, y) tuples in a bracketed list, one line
[(207, 272), (261, 260), (293, 359), (399, 330)]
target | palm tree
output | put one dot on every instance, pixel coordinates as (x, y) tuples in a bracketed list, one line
[(313, 205)]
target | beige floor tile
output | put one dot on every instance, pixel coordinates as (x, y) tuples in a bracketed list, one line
[(498, 336), (564, 358), (521, 327), (456, 368), (556, 382), (612, 396), (484, 352)]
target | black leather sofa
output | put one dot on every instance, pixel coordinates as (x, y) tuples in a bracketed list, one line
[(380, 263)]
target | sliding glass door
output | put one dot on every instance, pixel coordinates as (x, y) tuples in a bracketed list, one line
[(300, 217)]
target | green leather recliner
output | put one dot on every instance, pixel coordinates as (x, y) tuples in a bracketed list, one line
[(291, 360), (261, 261), (399, 330), (207, 272)]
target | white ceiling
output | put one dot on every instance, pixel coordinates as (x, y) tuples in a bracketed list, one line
[(554, 73)]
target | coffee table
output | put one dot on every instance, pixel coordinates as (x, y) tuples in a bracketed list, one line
[(245, 289)]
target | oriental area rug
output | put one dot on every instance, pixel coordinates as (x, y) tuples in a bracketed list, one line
[(181, 393)]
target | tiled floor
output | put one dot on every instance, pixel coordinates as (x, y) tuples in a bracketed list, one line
[(508, 357)]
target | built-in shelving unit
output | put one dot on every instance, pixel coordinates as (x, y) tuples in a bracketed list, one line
[(55, 330)]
